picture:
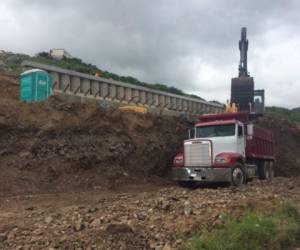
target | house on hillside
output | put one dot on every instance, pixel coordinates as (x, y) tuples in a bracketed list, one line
[(59, 54)]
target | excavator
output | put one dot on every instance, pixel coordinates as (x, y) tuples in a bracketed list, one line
[(244, 98)]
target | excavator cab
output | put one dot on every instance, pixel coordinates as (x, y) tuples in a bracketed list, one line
[(259, 101)]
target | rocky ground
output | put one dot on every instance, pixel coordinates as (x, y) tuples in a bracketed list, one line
[(139, 217)]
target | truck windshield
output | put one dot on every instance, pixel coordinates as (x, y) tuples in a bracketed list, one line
[(214, 131)]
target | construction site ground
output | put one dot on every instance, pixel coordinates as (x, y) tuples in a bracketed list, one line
[(75, 176)]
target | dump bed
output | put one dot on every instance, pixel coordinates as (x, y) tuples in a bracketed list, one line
[(261, 145)]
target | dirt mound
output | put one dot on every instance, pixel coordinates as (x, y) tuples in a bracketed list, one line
[(60, 146), (287, 145)]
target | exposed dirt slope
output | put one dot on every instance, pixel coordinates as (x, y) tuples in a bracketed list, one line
[(57, 146), (287, 145)]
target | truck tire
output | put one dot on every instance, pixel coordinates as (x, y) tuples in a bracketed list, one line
[(238, 176), (265, 170), (271, 169)]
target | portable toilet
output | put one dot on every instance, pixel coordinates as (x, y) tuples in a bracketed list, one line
[(35, 85)]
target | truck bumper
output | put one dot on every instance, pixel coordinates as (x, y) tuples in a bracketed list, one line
[(202, 174)]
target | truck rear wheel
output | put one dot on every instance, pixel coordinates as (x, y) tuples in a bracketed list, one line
[(271, 170), (265, 170), (238, 176)]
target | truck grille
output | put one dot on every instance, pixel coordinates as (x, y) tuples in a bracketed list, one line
[(197, 153)]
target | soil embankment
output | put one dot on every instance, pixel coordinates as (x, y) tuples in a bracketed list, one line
[(58, 146), (287, 145)]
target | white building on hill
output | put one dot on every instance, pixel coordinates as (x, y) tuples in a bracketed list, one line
[(59, 54)]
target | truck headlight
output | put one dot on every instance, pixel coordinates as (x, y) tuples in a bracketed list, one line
[(179, 161), (222, 159)]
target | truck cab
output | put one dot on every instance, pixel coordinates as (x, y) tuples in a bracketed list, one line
[(220, 149)]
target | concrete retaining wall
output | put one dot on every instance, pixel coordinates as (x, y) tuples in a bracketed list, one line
[(86, 86)]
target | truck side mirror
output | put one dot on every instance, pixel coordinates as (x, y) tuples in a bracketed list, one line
[(250, 131)]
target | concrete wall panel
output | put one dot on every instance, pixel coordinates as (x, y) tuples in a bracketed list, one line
[(120, 93), (179, 104), (64, 81), (135, 96), (75, 83), (142, 97), (104, 90), (85, 85), (112, 91), (156, 100), (128, 94), (194, 107), (55, 79), (95, 87), (173, 103), (162, 101), (149, 98)]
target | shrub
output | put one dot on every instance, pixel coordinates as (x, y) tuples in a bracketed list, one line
[(283, 113)]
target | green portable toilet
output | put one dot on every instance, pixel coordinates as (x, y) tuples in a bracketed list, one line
[(35, 85)]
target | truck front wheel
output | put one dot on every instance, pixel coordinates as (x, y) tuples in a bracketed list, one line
[(238, 176)]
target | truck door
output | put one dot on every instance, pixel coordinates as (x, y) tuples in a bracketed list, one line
[(240, 140)]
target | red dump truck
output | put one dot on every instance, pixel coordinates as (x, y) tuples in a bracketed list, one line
[(225, 147)]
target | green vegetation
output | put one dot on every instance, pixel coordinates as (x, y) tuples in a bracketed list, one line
[(253, 231), (12, 62), (71, 64), (78, 65), (292, 115)]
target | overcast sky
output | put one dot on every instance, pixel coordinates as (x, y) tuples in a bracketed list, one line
[(190, 44)]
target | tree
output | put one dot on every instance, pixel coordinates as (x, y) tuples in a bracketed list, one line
[(43, 54)]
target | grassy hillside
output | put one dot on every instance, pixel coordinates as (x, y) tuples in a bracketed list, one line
[(12, 62), (292, 115)]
